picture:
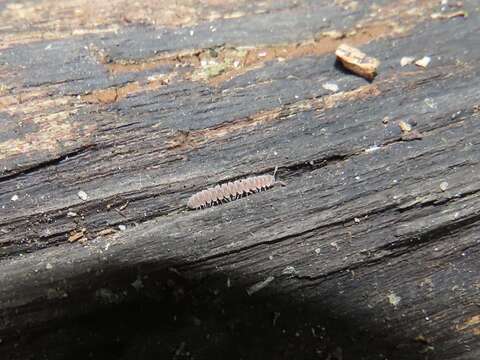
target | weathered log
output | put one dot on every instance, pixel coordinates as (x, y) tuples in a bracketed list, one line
[(113, 115)]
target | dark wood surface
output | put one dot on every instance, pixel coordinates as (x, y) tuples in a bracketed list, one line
[(372, 249)]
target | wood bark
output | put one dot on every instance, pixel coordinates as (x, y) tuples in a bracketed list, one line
[(112, 115)]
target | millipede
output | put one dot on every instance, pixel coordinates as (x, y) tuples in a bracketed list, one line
[(232, 190)]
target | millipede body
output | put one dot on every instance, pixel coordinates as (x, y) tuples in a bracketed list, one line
[(231, 191)]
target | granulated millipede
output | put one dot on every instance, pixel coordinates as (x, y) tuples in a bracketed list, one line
[(232, 191)]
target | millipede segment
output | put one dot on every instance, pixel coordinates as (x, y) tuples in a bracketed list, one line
[(231, 191)]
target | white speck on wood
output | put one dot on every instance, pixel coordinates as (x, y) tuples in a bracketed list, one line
[(330, 87), (289, 270), (372, 149), (137, 284), (406, 60), (260, 285), (423, 62), (14, 197), (334, 34), (82, 195), (444, 186), (393, 299)]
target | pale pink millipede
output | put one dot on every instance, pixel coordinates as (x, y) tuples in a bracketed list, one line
[(232, 190)]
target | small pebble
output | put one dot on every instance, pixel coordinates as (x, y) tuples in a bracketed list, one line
[(423, 62), (14, 197), (406, 60), (444, 186), (430, 103), (122, 227), (72, 214), (82, 195), (48, 266)]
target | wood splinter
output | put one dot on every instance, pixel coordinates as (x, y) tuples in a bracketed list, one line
[(357, 62)]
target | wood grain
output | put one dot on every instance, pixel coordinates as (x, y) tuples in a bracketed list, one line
[(373, 245)]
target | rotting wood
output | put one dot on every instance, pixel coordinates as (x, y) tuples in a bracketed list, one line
[(372, 248), (357, 62)]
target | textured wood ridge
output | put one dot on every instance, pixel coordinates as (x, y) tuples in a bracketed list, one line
[(113, 115)]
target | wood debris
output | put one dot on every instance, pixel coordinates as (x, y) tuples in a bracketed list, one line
[(460, 13), (123, 206), (334, 34), (423, 62), (405, 127), (412, 135), (357, 62), (107, 231), (407, 133), (120, 212), (77, 235), (289, 270), (260, 285)]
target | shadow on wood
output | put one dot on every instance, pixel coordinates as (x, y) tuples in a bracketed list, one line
[(170, 316)]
